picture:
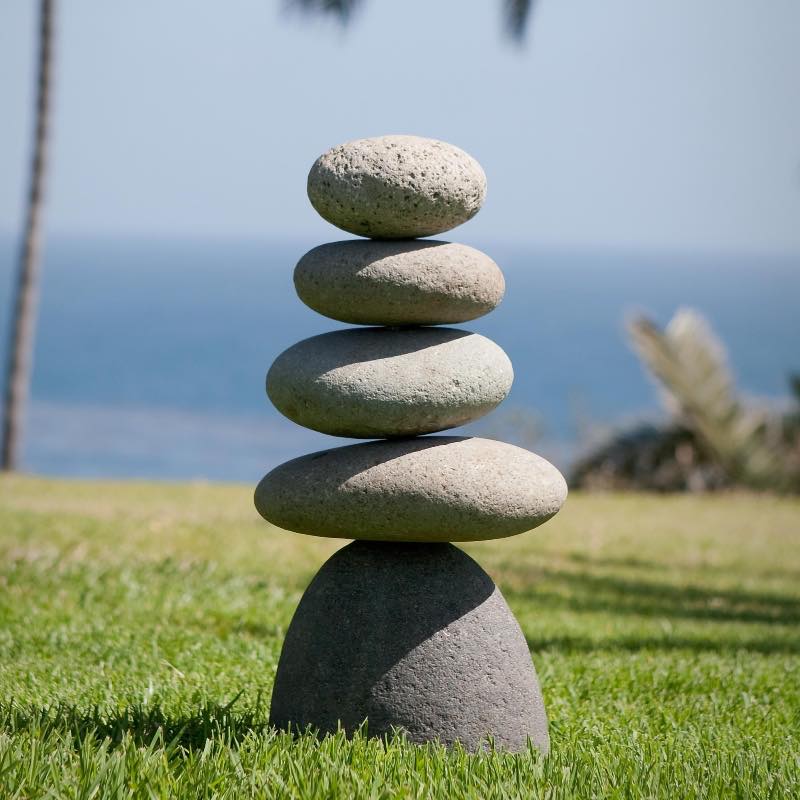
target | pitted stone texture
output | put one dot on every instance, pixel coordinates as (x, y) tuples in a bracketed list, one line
[(396, 187), (377, 382), (399, 283), (432, 489), (416, 637)]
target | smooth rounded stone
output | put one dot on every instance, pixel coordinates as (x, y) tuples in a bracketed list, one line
[(399, 283), (432, 489), (396, 187), (378, 382), (409, 636)]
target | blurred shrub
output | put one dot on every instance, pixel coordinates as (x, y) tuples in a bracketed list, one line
[(714, 440)]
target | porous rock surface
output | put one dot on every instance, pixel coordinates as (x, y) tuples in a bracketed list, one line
[(377, 382), (430, 489), (421, 640), (424, 282), (396, 187)]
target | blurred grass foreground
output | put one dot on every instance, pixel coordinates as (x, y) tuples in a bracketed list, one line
[(140, 626)]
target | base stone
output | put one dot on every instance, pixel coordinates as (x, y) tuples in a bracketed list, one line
[(409, 636)]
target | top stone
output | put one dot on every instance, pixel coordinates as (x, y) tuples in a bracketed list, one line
[(396, 187)]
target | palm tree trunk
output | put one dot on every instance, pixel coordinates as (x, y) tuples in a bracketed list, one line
[(27, 287)]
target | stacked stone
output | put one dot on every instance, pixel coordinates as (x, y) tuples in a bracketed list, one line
[(401, 629)]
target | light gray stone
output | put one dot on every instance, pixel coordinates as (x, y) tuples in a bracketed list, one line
[(431, 489), (396, 187), (415, 637), (399, 283), (378, 382)]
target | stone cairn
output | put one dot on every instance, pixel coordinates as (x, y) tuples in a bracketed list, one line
[(400, 629)]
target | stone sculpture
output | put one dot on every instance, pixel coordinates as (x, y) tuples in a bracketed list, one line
[(400, 629)]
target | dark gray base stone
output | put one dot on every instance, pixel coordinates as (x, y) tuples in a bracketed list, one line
[(409, 636)]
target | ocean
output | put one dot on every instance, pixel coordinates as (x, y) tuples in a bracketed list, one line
[(151, 355)]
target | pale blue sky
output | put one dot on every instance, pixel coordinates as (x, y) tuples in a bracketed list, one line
[(621, 123)]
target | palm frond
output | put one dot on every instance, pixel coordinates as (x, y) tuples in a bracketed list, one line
[(690, 364), (516, 13), (515, 17), (340, 9)]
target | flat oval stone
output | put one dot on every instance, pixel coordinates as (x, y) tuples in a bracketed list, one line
[(378, 382), (396, 187), (415, 637), (399, 283), (432, 489)]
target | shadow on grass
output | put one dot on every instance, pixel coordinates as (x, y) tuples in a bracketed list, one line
[(588, 592), (143, 724), (592, 561), (567, 645), (628, 562)]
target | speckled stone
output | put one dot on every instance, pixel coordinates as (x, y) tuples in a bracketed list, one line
[(378, 382), (416, 637), (396, 187), (399, 283), (431, 489)]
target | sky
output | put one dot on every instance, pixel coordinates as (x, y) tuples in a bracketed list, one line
[(651, 126)]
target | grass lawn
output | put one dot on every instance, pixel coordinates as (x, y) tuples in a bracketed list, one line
[(140, 626)]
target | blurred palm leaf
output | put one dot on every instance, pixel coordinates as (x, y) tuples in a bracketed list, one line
[(341, 9), (690, 365), (515, 12)]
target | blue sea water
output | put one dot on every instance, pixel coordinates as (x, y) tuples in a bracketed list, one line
[(151, 355)]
